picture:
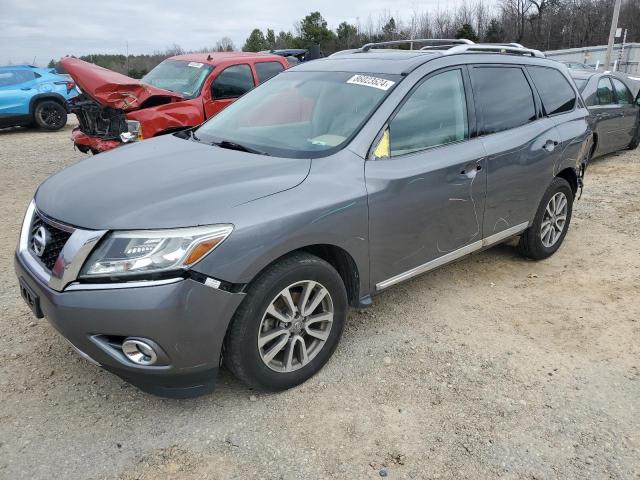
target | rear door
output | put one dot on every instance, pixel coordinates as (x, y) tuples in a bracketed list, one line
[(227, 86), (606, 112), (16, 89), (628, 112), (426, 194), (520, 143)]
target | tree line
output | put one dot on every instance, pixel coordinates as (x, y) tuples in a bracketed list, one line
[(540, 24)]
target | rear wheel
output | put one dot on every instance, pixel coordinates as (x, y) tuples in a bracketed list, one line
[(289, 324), (50, 115), (636, 139), (550, 225)]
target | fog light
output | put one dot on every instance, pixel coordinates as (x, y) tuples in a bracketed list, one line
[(139, 352)]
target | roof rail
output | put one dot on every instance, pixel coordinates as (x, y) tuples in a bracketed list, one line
[(495, 48), (455, 41)]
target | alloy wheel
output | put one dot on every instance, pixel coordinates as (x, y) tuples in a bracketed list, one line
[(295, 326), (554, 220), (51, 116)]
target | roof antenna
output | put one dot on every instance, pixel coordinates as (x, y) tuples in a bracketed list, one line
[(209, 57)]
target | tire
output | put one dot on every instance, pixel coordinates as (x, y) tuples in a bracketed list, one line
[(533, 243), (50, 115), (248, 361), (636, 139)]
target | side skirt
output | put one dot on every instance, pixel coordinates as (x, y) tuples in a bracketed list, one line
[(451, 256)]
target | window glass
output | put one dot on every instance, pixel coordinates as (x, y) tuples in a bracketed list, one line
[(581, 83), (15, 77), (604, 95), (555, 91), (434, 114), (623, 94), (504, 97), (232, 82), (267, 70)]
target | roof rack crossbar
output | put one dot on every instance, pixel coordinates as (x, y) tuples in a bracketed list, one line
[(497, 48), (453, 41)]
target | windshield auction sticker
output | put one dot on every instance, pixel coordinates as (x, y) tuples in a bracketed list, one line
[(367, 81), (195, 64)]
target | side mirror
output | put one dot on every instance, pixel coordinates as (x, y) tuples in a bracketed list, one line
[(382, 149)]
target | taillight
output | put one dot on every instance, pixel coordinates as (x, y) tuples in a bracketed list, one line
[(69, 84)]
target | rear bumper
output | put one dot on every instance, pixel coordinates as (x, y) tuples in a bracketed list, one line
[(86, 143), (186, 319)]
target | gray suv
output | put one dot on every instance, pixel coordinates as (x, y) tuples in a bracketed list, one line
[(246, 240)]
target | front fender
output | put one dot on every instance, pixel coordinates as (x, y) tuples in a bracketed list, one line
[(328, 208), (170, 116)]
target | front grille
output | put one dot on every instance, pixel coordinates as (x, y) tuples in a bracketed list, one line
[(99, 121), (56, 239)]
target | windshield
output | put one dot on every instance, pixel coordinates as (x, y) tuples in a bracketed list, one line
[(581, 83), (300, 114), (179, 76)]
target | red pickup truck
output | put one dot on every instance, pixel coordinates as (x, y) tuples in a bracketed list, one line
[(181, 92)]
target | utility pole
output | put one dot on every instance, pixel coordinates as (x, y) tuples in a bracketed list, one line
[(612, 34)]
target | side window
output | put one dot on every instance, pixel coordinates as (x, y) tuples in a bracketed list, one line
[(555, 91), (504, 97), (16, 77), (604, 94), (434, 114), (267, 70), (232, 82), (623, 95)]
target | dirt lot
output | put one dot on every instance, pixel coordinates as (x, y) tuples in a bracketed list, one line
[(493, 367)]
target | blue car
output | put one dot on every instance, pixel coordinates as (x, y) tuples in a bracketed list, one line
[(34, 96)]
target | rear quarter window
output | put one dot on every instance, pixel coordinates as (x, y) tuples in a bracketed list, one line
[(232, 82), (623, 94), (267, 70), (555, 91), (504, 98)]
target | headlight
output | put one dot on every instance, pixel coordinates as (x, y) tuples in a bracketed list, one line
[(133, 133), (151, 251)]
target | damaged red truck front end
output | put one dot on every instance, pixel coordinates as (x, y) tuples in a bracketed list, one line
[(181, 92)]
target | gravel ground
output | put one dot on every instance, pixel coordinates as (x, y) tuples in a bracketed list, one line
[(493, 367)]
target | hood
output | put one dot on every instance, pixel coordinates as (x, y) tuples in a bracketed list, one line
[(112, 89), (164, 182)]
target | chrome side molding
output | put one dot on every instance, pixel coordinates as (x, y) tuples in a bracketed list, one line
[(451, 256)]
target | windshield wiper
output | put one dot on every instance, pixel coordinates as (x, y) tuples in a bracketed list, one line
[(237, 146)]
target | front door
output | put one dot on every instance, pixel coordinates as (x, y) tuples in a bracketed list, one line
[(227, 86), (426, 194)]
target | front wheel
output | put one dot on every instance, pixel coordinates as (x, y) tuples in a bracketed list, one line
[(289, 324), (50, 115), (550, 225)]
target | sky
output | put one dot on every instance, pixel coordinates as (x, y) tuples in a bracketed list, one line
[(50, 29)]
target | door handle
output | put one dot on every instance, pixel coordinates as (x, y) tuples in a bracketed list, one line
[(25, 88), (550, 145), (471, 169)]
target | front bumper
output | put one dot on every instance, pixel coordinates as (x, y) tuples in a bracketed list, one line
[(187, 319), (86, 143)]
